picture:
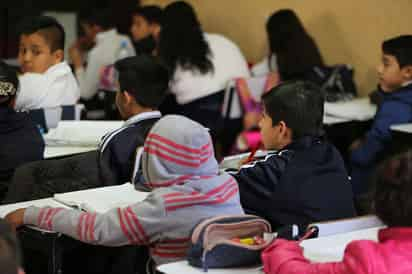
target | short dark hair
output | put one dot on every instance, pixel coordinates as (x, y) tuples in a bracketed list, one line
[(299, 104), (401, 48), (152, 13), (102, 17), (48, 27), (393, 190), (144, 78), (8, 75), (10, 256)]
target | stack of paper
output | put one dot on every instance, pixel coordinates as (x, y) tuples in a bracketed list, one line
[(102, 199), (80, 133)]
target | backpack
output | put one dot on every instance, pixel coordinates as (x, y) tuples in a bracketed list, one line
[(336, 81)]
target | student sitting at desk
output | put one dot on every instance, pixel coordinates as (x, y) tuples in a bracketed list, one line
[(20, 139), (47, 81), (143, 84), (392, 254), (395, 80), (306, 180), (179, 165), (109, 44)]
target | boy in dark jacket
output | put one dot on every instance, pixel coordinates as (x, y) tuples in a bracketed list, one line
[(20, 139), (395, 81), (305, 181)]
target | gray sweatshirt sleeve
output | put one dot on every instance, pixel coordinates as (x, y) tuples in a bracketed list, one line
[(137, 224)]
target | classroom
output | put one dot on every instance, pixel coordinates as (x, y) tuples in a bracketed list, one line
[(169, 137)]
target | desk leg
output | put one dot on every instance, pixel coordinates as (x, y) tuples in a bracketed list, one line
[(55, 258)]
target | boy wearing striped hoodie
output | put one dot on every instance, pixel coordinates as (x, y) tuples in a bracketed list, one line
[(179, 165)]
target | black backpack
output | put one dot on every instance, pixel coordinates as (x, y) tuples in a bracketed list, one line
[(336, 81)]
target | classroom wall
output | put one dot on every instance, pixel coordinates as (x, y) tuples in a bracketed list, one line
[(348, 31)]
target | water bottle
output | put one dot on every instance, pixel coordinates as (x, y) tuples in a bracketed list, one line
[(123, 51)]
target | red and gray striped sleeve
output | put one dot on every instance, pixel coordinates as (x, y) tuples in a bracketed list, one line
[(138, 224)]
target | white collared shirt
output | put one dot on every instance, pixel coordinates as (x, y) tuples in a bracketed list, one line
[(228, 62), (56, 87), (129, 122), (103, 54)]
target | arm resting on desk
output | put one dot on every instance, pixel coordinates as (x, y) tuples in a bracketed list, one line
[(133, 225), (286, 257)]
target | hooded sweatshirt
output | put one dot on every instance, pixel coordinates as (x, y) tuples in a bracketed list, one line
[(396, 108), (20, 141), (179, 166)]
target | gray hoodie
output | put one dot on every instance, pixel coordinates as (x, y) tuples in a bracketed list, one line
[(179, 166)]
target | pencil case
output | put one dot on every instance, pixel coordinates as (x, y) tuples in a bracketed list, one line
[(228, 241)]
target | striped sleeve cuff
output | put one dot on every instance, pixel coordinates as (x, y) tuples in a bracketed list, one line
[(31, 215)]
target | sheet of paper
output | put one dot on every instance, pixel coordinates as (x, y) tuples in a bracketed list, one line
[(102, 199), (58, 151)]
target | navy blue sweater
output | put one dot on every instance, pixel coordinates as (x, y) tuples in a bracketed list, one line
[(303, 183), (395, 108)]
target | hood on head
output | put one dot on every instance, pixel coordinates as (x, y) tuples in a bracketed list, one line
[(177, 149)]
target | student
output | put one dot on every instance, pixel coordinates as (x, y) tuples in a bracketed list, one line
[(47, 81), (143, 84), (145, 28), (10, 257), (98, 26), (393, 251), (179, 165), (293, 52), (201, 63), (20, 140), (395, 78), (306, 180)]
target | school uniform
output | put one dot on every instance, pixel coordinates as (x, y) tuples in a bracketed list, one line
[(104, 53), (391, 254), (111, 164), (56, 87), (200, 96), (20, 142), (395, 108), (182, 172), (303, 183)]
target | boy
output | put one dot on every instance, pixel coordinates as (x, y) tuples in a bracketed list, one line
[(145, 28), (99, 28), (20, 139), (306, 180), (143, 84), (395, 80), (178, 163), (47, 81)]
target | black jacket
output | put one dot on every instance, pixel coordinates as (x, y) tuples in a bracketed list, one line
[(20, 141), (301, 184)]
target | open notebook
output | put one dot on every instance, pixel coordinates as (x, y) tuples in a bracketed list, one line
[(80, 133), (102, 199)]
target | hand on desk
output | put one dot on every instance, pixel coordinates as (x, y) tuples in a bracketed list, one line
[(15, 218)]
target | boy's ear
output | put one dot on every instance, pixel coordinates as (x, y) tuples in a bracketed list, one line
[(58, 56), (407, 72), (284, 130), (129, 98)]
